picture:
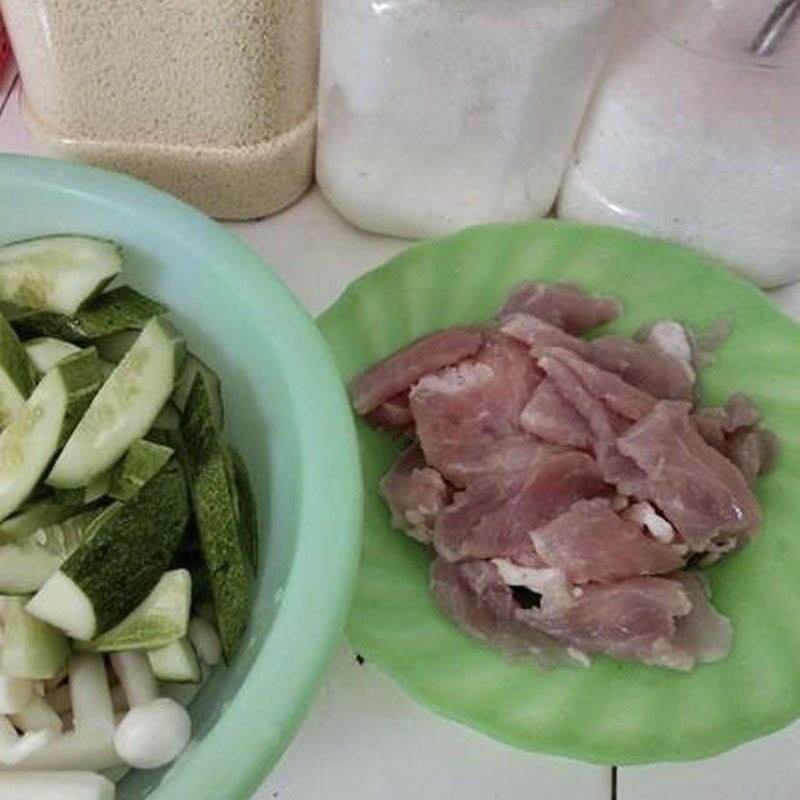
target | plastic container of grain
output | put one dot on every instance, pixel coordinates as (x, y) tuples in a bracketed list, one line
[(212, 100), (439, 114), (693, 138)]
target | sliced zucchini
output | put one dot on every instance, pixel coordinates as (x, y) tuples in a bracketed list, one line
[(114, 311), (74, 498), (46, 352), (248, 513), (31, 648), (126, 550), (32, 518), (28, 444), (162, 618), (216, 514), (124, 408), (143, 461), (176, 662), (27, 564), (194, 366), (16, 373), (113, 347), (57, 273)]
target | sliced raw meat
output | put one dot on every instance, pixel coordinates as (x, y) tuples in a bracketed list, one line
[(493, 516), (703, 634), (394, 415), (397, 373), (551, 418), (474, 596), (539, 335), (591, 543), (753, 451), (562, 305), (715, 423), (632, 619), (697, 489), (645, 516), (644, 366), (416, 493), (675, 339), (464, 413)]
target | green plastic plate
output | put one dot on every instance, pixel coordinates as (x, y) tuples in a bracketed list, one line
[(611, 712)]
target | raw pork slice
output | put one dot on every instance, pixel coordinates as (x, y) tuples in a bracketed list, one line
[(551, 418), (394, 415), (416, 493), (698, 490), (538, 335), (397, 373), (494, 515), (704, 635), (591, 543), (562, 305)]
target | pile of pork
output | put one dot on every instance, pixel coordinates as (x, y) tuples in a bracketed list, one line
[(566, 484)]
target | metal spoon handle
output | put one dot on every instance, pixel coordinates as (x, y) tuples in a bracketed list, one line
[(772, 33)]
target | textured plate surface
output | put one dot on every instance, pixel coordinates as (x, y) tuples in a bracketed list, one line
[(612, 712)]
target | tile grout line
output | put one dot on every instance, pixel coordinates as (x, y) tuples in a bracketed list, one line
[(613, 783), (7, 98)]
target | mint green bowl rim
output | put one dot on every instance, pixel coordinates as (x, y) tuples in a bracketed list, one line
[(267, 708)]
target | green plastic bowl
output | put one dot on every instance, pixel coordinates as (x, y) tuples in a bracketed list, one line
[(286, 412)]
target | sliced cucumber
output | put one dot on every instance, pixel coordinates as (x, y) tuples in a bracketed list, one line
[(162, 618), (176, 662), (46, 352), (16, 373), (26, 565), (28, 444), (74, 498), (114, 346), (248, 513), (124, 408), (216, 514), (143, 461), (126, 550), (194, 366), (112, 312), (168, 419), (57, 273), (33, 518), (31, 648)]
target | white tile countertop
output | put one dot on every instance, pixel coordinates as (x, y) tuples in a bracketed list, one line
[(364, 739)]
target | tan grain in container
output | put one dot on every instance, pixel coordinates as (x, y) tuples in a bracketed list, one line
[(212, 100)]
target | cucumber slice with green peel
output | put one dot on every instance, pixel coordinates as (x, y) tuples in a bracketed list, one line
[(126, 550), (194, 366), (248, 513), (31, 648), (162, 618), (114, 346), (32, 518), (144, 460), (124, 408), (57, 273), (111, 312), (16, 373), (45, 352), (176, 662), (46, 420), (216, 514), (26, 565), (72, 498)]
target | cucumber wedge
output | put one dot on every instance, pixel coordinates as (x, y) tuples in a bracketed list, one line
[(126, 550), (31, 648), (46, 352), (26, 565), (114, 346), (31, 519), (248, 514), (16, 373), (124, 408), (47, 418), (144, 460), (57, 273), (74, 498), (216, 514), (162, 618), (194, 366), (176, 663), (112, 312)]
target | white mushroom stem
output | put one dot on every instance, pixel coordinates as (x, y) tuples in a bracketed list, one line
[(15, 748), (92, 709), (153, 734), (15, 694), (205, 640), (78, 750), (136, 676), (55, 786), (118, 699), (38, 715)]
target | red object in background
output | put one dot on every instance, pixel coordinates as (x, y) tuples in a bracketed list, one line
[(5, 49)]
